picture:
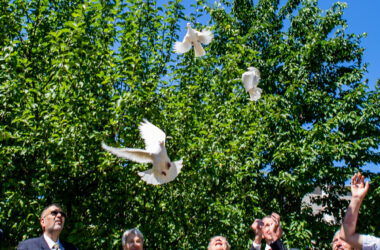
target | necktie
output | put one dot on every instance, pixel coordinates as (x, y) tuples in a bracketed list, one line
[(56, 247)]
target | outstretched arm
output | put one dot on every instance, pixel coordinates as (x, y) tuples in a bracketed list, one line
[(348, 230)]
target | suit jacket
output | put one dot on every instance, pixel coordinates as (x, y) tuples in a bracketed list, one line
[(40, 243), (277, 245)]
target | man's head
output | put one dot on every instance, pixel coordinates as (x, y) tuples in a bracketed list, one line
[(339, 243), (132, 239), (218, 243), (52, 219), (266, 228)]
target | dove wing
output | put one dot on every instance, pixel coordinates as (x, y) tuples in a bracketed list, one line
[(136, 155), (247, 79), (152, 135), (174, 170), (205, 36), (183, 47)]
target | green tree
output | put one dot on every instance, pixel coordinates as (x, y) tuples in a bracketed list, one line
[(76, 73)]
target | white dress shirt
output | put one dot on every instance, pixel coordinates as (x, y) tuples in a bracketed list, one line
[(51, 242), (258, 246)]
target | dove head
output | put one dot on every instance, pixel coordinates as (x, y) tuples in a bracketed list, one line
[(254, 70), (188, 25)]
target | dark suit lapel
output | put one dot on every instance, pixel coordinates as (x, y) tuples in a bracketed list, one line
[(43, 243)]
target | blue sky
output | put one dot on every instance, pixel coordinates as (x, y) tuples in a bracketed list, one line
[(363, 16)]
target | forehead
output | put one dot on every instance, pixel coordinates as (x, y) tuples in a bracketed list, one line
[(51, 208), (267, 220), (132, 236)]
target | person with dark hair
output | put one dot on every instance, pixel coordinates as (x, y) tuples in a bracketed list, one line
[(348, 233), (269, 229), (52, 221)]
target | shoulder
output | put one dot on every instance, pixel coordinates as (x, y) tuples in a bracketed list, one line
[(370, 242), (29, 243)]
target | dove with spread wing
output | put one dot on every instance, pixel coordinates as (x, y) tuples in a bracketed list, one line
[(194, 38), (163, 170), (250, 81)]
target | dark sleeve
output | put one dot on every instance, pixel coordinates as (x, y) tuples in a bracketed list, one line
[(277, 245)]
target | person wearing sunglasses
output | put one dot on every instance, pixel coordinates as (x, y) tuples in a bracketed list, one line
[(52, 221)]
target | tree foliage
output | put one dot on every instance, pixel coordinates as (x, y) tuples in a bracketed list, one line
[(76, 73)]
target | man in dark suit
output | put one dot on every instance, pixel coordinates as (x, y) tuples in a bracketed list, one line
[(52, 221), (269, 229)]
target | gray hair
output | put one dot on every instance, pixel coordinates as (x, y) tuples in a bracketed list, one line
[(209, 244), (134, 231)]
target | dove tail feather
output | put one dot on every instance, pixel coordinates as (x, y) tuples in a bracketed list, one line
[(255, 94), (198, 50)]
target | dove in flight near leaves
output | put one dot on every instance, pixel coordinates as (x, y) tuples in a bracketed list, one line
[(163, 170), (250, 81), (194, 38)]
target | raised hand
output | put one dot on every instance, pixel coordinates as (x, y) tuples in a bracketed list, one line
[(359, 189), (257, 228), (276, 227)]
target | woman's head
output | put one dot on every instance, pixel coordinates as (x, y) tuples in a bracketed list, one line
[(132, 239)]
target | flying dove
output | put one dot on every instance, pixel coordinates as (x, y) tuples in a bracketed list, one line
[(194, 38), (250, 81), (163, 170)]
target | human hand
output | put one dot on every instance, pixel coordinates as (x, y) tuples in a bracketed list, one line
[(358, 188), (257, 228), (276, 229)]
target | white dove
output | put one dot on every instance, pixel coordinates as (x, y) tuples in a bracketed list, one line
[(194, 38), (250, 81), (163, 170)]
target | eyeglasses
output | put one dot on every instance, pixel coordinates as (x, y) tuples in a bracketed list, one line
[(56, 212)]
